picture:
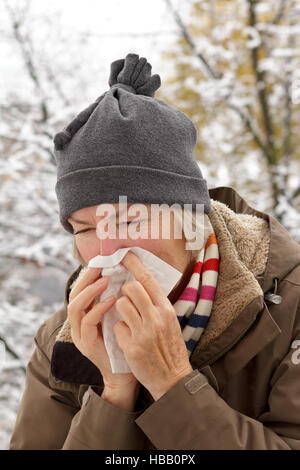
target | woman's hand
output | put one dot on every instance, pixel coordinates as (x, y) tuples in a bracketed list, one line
[(150, 334), (86, 331)]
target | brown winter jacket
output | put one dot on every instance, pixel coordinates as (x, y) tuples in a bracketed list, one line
[(244, 391)]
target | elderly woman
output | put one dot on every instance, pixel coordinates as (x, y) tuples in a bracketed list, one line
[(215, 363)]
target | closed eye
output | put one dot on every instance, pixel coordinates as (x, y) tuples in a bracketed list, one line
[(132, 222), (82, 231), (129, 222)]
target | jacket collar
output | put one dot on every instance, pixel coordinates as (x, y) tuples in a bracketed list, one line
[(284, 252), (243, 281)]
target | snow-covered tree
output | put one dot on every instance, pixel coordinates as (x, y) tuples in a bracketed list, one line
[(236, 74), (49, 90)]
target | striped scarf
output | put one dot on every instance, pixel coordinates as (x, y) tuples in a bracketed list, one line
[(194, 305)]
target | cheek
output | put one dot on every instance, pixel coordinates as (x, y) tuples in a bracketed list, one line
[(165, 247), (160, 248), (88, 249), (150, 245)]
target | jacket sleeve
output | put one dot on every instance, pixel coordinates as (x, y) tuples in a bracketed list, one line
[(50, 418), (191, 415)]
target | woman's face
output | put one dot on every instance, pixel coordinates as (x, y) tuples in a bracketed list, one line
[(91, 242)]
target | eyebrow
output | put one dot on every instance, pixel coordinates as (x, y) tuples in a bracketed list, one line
[(79, 221)]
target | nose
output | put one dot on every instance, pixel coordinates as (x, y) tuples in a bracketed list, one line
[(108, 246)]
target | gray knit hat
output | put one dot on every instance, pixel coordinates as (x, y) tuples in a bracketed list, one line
[(128, 143)]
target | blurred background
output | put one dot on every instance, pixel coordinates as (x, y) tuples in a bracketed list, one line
[(233, 66)]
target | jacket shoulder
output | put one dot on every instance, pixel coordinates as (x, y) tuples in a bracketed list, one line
[(47, 332)]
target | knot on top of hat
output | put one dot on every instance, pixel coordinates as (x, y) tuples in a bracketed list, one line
[(125, 87), (134, 75)]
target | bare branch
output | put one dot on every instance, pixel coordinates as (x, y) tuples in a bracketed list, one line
[(56, 84), (191, 42), (287, 150), (12, 352), (261, 90), (294, 195), (214, 75), (38, 144), (280, 12), (250, 128), (27, 56)]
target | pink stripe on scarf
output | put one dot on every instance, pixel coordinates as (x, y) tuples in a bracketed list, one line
[(208, 292), (189, 294)]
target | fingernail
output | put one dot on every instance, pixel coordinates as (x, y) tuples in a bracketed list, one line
[(109, 299), (100, 281)]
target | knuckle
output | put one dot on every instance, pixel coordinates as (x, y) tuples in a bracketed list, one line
[(129, 285), (120, 300), (170, 312), (145, 278), (85, 321), (92, 287)]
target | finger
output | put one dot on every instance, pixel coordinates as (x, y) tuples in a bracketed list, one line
[(144, 276), (89, 277), (139, 299), (82, 301), (89, 324), (75, 328), (128, 313), (86, 296)]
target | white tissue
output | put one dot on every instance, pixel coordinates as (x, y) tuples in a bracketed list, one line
[(117, 275)]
